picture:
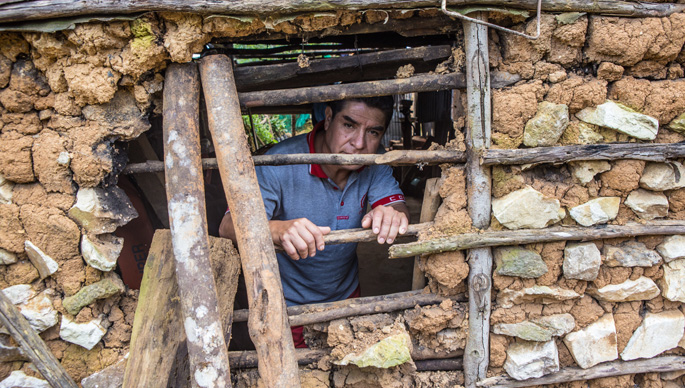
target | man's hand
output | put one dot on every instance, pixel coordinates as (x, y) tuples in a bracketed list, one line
[(387, 221), (299, 238)]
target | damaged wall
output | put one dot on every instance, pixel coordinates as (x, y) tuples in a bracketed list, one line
[(68, 99)]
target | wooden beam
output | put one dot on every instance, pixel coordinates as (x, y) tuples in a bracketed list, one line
[(607, 369), (429, 207), (158, 337), (268, 322), (37, 9), (530, 236), (187, 215), (366, 235), (324, 312), (153, 187), (654, 152), (478, 187), (33, 346)]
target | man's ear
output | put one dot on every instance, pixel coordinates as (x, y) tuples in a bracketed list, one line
[(328, 117)]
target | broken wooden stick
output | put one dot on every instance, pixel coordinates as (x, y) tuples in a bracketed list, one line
[(33, 346), (530, 236), (187, 217), (429, 207), (607, 369), (325, 312), (268, 320)]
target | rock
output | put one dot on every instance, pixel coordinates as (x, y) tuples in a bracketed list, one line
[(663, 176), (7, 257), (19, 379), (45, 265), (584, 172), (388, 352), (657, 334), (102, 210), (673, 281), (678, 124), (540, 329), (547, 126), (6, 188), (527, 360), (101, 290), (630, 254), (581, 261), (101, 252), (539, 294), (36, 308), (622, 119), (595, 343), (672, 248), (527, 208), (520, 262), (21, 293), (596, 211), (120, 116), (647, 205), (86, 335), (9, 353), (110, 377), (643, 288)]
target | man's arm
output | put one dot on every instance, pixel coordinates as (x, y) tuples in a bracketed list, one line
[(387, 221), (299, 238)]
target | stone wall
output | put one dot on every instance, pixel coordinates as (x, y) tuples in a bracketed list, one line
[(69, 98)]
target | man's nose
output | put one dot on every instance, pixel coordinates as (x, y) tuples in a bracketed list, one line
[(358, 140)]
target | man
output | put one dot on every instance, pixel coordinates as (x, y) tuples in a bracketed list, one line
[(306, 202)]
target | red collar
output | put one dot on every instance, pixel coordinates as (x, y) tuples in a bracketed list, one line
[(315, 169)]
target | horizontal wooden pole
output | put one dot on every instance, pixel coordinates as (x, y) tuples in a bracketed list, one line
[(529, 236), (248, 358), (653, 152), (417, 83), (38, 9), (325, 312), (608, 369)]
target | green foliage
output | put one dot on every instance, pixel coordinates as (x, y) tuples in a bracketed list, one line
[(272, 128)]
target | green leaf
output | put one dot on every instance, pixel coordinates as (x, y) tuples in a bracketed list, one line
[(569, 17)]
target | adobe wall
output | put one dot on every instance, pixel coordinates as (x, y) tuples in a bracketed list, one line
[(67, 98)]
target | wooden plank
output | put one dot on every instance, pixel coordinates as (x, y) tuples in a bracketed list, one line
[(39, 9), (207, 350), (158, 333), (32, 345), (429, 207), (607, 369), (268, 322), (530, 236)]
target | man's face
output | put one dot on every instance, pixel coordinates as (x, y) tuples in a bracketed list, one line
[(356, 129)]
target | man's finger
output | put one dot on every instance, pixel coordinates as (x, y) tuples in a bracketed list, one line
[(386, 223), (394, 228), (366, 220), (290, 250), (303, 230), (318, 237)]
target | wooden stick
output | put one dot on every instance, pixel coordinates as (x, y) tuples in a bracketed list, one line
[(335, 69), (187, 215), (656, 152), (530, 236), (418, 83), (325, 312), (440, 364), (429, 207), (477, 351), (33, 346), (608, 369), (37, 10), (268, 321), (392, 158), (366, 235)]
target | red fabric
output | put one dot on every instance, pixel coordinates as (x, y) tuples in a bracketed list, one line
[(298, 338), (388, 200)]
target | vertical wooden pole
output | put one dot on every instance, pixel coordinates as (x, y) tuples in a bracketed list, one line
[(431, 202), (268, 319), (186, 198), (477, 352)]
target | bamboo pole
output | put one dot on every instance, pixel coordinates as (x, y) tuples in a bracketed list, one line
[(477, 351), (325, 312), (32, 345), (37, 10), (268, 321), (607, 369), (429, 207), (187, 215), (530, 236)]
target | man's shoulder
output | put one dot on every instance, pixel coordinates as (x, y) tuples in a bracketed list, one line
[(294, 145)]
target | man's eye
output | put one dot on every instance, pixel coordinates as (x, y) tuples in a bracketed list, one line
[(347, 125), (375, 133)]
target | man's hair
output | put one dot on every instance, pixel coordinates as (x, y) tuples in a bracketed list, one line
[(384, 103)]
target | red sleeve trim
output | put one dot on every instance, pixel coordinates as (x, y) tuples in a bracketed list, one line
[(388, 200)]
